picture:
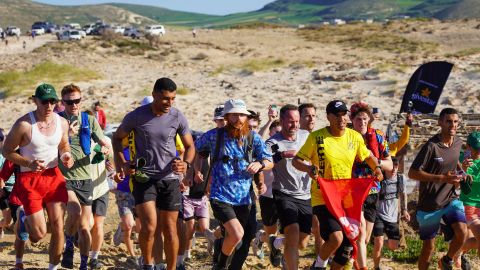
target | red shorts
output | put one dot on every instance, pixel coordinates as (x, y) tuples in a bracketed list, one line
[(34, 190)]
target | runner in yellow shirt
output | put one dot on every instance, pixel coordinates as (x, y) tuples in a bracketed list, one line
[(331, 152)]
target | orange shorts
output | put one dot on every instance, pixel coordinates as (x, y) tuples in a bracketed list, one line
[(472, 213), (34, 190)]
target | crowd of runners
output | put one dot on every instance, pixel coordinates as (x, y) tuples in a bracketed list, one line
[(167, 179)]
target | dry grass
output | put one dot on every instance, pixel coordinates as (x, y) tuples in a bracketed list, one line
[(18, 82)]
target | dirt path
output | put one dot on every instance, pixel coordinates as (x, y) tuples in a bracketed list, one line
[(15, 45)]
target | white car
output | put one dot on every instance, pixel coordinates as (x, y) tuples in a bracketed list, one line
[(13, 31), (118, 29), (38, 30), (75, 35), (155, 30), (88, 28), (69, 35)]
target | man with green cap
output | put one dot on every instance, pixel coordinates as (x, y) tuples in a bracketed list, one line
[(41, 137)]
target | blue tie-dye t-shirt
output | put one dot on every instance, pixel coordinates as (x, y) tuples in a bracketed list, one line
[(230, 180)]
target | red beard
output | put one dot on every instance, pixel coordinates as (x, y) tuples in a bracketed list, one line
[(237, 132)]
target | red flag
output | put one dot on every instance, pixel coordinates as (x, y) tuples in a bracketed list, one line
[(344, 199)]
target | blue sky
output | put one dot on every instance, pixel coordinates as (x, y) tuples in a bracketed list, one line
[(216, 7)]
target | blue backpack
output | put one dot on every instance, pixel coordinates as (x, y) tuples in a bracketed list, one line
[(84, 132)]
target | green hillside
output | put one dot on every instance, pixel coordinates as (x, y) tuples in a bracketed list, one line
[(165, 16), (24, 13)]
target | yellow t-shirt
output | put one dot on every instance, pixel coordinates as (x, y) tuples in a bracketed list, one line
[(334, 156)]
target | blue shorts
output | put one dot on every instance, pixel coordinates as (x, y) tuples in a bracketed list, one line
[(429, 222)]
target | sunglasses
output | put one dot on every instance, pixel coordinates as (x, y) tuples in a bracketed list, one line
[(49, 101), (72, 101)]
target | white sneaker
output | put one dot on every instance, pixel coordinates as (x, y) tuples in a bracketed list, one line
[(257, 244)]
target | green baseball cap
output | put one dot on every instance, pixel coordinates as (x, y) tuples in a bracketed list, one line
[(45, 92), (473, 140)]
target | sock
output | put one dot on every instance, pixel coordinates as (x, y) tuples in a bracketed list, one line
[(83, 261), (447, 259), (18, 260), (160, 266), (69, 242), (187, 254), (320, 263), (52, 267), (222, 261), (278, 242), (179, 260), (94, 254)]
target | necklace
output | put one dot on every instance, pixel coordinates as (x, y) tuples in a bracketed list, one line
[(46, 125)]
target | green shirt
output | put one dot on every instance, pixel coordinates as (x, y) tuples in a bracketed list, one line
[(473, 198), (81, 167)]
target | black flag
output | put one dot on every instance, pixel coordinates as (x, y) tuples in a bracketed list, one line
[(425, 87)]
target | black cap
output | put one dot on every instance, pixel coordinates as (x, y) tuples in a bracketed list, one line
[(336, 106)]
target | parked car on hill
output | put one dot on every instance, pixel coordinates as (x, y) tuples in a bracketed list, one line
[(118, 29), (47, 26), (137, 34), (69, 35), (13, 31), (155, 30), (38, 30), (89, 28)]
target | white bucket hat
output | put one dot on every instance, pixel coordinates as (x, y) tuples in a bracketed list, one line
[(235, 106)]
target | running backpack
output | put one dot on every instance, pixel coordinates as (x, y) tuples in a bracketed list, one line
[(84, 132), (216, 156), (383, 195)]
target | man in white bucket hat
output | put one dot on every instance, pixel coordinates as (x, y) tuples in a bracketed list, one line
[(236, 157)]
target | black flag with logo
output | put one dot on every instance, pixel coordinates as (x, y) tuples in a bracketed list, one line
[(425, 87)]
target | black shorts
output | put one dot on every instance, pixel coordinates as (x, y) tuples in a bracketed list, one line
[(83, 189), (165, 193), (370, 207), (392, 230), (4, 199), (268, 211), (328, 225), (100, 205), (224, 212), (13, 211), (291, 211)]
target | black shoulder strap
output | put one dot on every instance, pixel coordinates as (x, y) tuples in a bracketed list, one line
[(400, 183), (249, 147)]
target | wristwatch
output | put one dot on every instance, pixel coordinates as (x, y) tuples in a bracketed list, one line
[(261, 163), (188, 164)]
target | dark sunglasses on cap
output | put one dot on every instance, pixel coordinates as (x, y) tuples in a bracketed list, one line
[(49, 101), (72, 101)]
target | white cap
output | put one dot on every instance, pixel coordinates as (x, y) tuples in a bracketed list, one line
[(235, 106), (146, 100)]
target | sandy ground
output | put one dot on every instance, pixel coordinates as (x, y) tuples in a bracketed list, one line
[(216, 65)]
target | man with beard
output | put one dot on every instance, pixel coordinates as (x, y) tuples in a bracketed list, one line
[(291, 188), (232, 172), (435, 166), (331, 152), (41, 138), (155, 168)]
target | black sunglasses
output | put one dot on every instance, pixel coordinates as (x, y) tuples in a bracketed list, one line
[(49, 101), (72, 101)]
